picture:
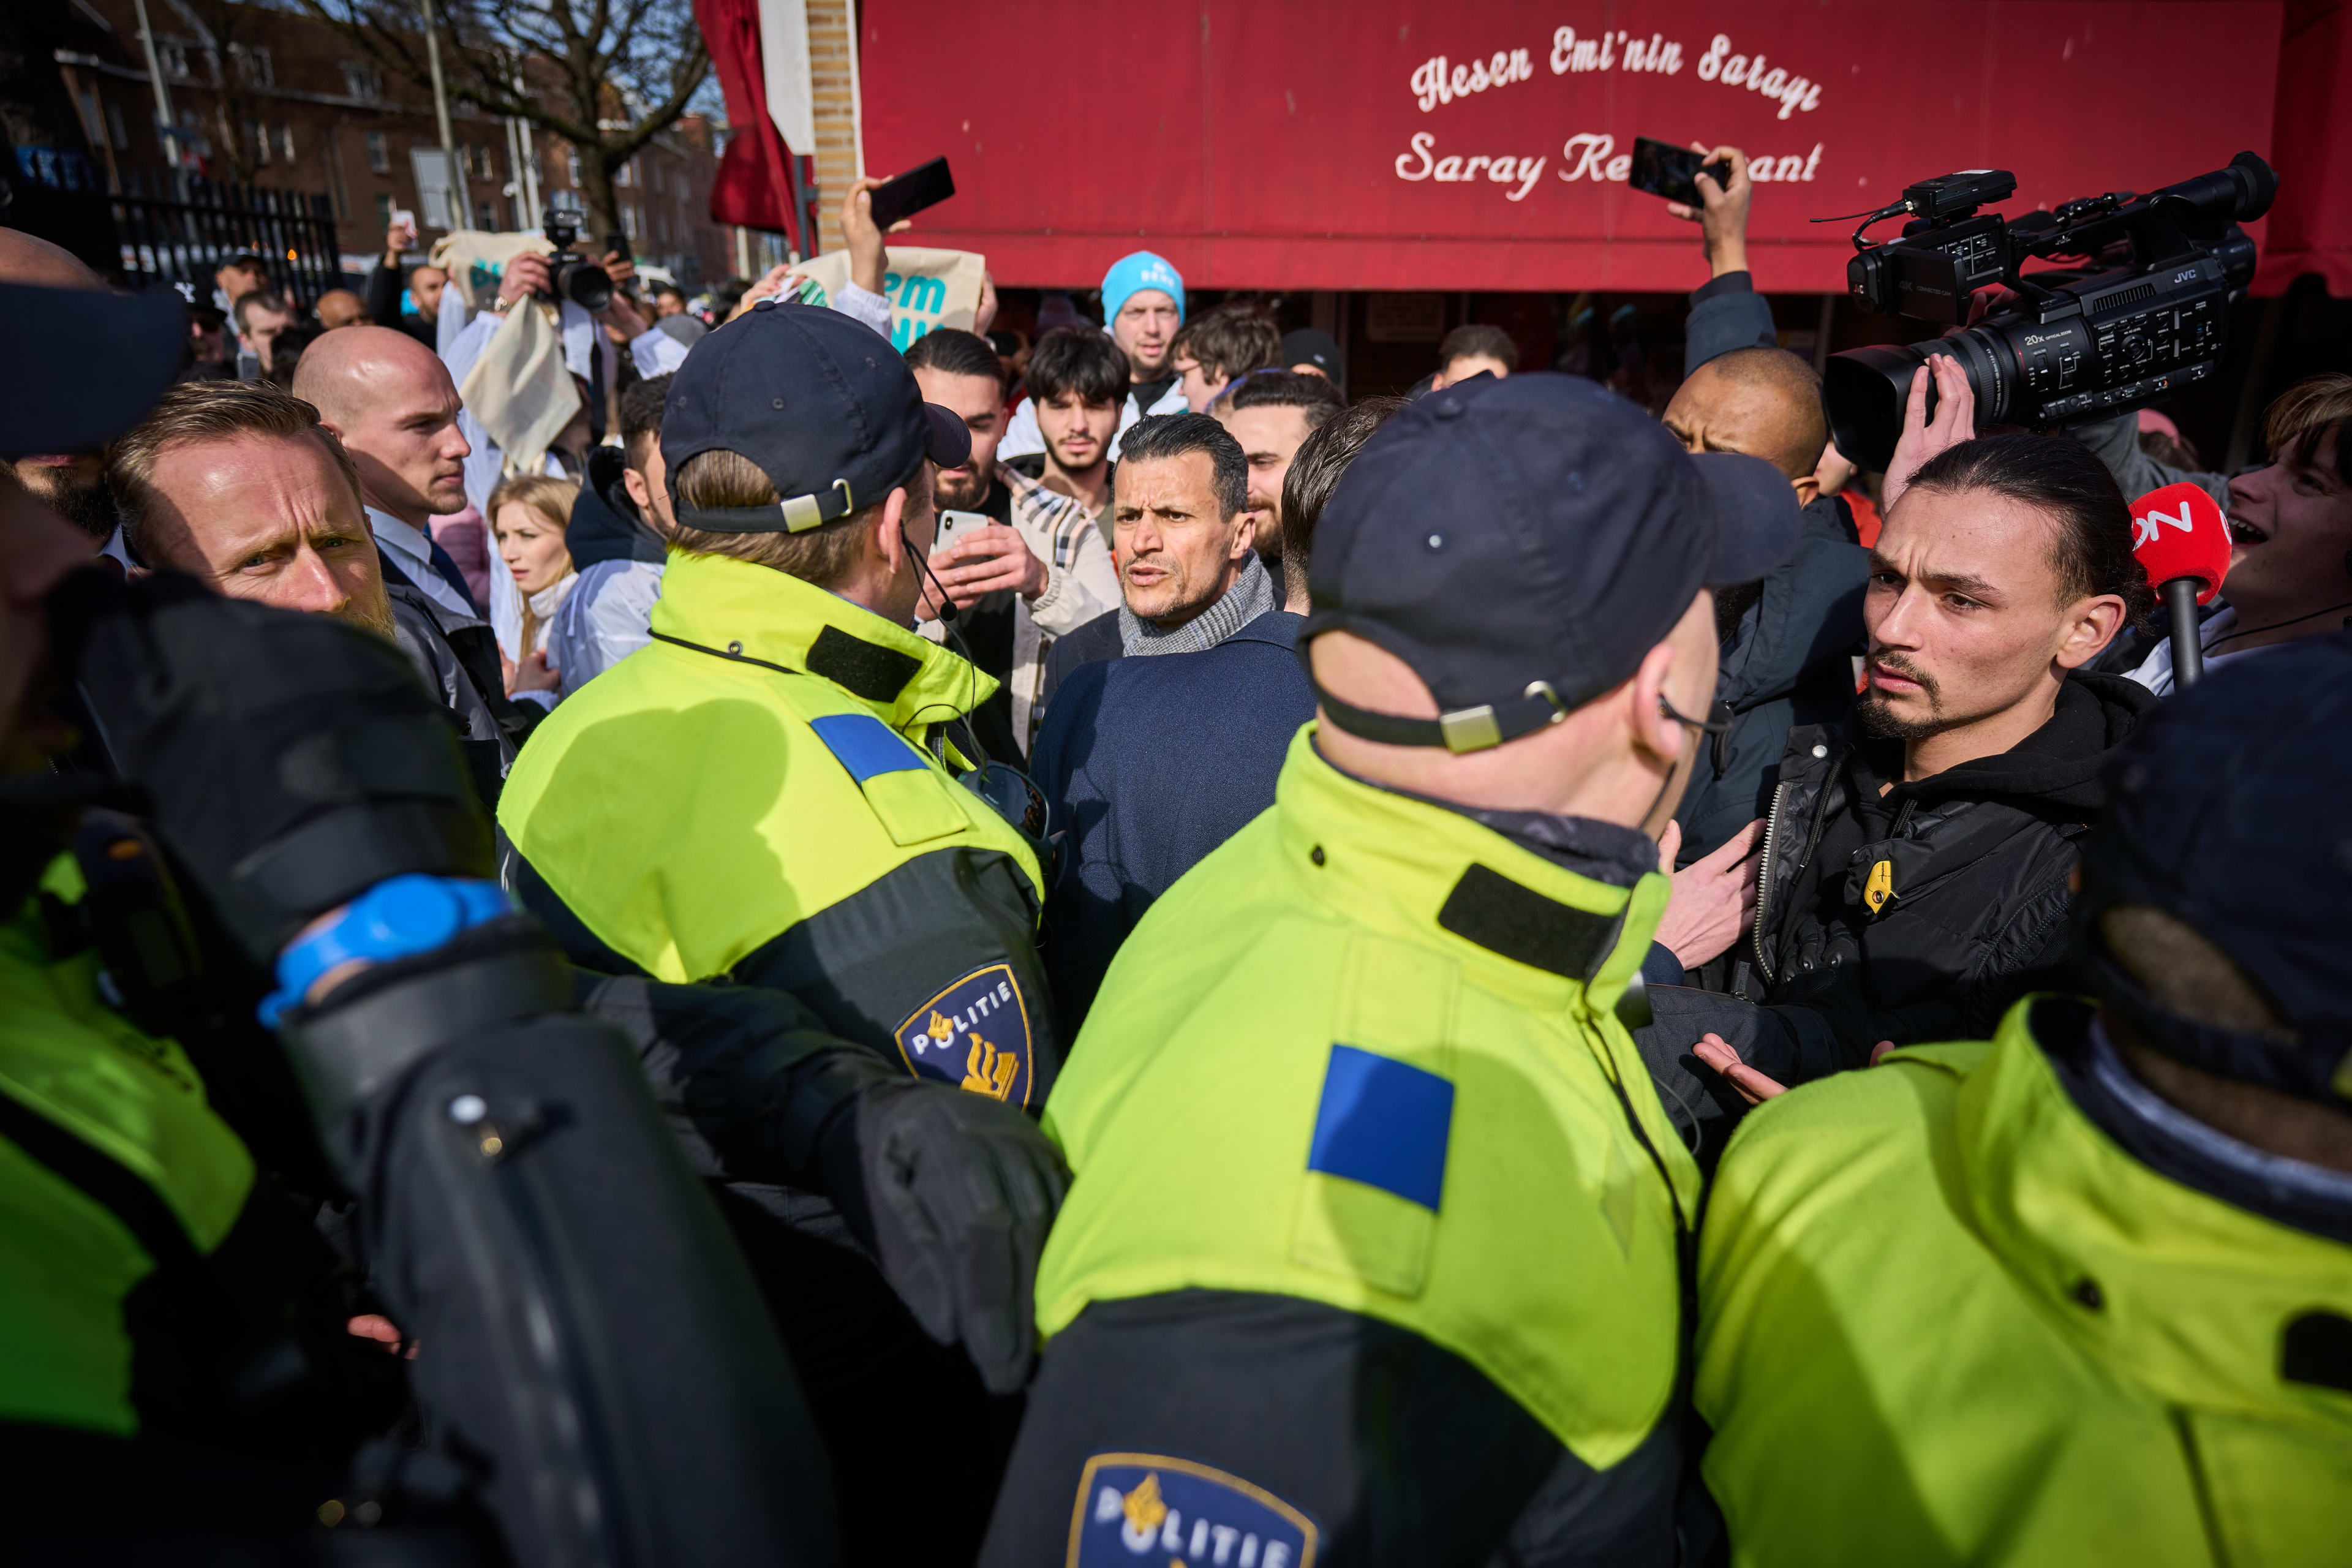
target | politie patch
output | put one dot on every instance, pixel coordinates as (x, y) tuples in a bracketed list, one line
[(974, 1034), (1179, 1514)]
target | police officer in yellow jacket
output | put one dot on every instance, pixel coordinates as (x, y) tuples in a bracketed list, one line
[(1372, 1252), (768, 794), (2082, 1293), (176, 1382)]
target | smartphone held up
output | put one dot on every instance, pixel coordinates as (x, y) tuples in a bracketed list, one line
[(1663, 169)]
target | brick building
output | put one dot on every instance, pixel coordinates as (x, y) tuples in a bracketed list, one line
[(266, 95)]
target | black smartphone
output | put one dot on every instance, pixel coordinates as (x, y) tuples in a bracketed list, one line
[(618, 243), (911, 192), (1663, 169)]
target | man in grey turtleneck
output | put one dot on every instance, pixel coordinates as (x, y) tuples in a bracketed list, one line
[(1182, 532)]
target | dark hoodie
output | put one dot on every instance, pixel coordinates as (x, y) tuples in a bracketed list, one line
[(1968, 915), (605, 524)]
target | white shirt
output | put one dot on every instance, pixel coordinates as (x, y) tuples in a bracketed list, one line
[(412, 551), (2156, 671)]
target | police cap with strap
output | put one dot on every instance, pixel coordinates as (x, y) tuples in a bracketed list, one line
[(1522, 544), (2228, 808), (821, 402)]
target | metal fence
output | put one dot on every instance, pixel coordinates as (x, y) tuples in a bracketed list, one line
[(178, 229)]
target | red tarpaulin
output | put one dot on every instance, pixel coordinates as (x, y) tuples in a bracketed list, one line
[(1394, 145), (2311, 227), (754, 187)]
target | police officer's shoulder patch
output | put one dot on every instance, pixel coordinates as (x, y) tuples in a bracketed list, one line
[(1139, 1507), (974, 1034)]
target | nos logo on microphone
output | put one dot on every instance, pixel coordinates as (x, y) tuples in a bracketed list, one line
[(2147, 527)]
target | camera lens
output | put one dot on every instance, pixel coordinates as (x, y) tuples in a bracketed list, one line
[(1864, 390), (586, 284)]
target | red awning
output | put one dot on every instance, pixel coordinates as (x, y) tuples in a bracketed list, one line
[(1398, 145), (754, 187), (2311, 227)]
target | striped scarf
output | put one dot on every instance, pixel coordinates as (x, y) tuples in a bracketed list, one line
[(1251, 596)]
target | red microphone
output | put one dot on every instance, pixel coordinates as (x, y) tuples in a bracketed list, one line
[(2183, 544)]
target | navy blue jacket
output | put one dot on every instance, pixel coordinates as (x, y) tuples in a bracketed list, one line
[(1789, 660), (1150, 764)]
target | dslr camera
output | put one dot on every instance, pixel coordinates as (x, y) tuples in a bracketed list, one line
[(576, 277), (2135, 307)]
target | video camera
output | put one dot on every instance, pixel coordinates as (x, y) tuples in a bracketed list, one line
[(2139, 310), (576, 277)]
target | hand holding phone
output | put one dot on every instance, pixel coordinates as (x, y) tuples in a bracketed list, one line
[(1663, 169), (991, 558), (903, 196), (1723, 223)]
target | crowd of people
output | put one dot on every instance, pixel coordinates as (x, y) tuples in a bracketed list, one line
[(668, 933)]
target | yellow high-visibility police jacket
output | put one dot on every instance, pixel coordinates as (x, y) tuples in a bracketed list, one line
[(751, 795), (116, 1177), (1944, 1319), (1364, 1053)]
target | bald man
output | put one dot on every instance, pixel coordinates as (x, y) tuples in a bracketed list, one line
[(341, 308), (73, 483), (390, 402), (1787, 641)]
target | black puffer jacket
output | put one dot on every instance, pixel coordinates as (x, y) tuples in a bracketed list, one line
[(1968, 914), (1787, 662)]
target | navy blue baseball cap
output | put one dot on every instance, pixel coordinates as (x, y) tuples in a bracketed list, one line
[(820, 401), (2228, 809), (1523, 543), (103, 360)]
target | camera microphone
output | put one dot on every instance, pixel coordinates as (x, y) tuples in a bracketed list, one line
[(2182, 541)]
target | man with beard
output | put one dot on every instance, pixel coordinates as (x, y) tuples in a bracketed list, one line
[(1914, 879), (1038, 568), (1271, 415), (241, 486), (73, 484), (1143, 308), (1078, 385)]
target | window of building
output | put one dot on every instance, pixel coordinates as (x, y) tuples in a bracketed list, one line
[(572, 165), (622, 176), (629, 221), (286, 141), (251, 62), (256, 137), (485, 215), (362, 81), (177, 58), (114, 123), (378, 158)]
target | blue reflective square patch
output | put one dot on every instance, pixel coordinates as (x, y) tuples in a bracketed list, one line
[(1383, 1123), (974, 1034), (866, 746), (1149, 1507)]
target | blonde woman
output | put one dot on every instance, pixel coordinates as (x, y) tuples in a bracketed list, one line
[(528, 516)]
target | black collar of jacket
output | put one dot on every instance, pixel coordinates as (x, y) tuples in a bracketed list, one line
[(2054, 772)]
